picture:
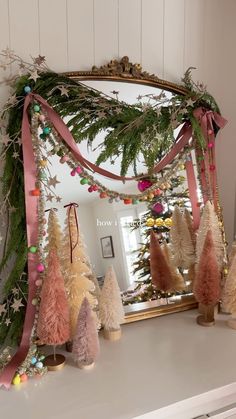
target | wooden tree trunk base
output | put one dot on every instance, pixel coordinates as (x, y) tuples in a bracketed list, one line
[(203, 322), (69, 346), (86, 367), (232, 323), (54, 364), (112, 334)]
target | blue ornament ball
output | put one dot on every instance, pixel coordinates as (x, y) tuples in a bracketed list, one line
[(46, 130), (39, 365), (33, 360), (27, 89)]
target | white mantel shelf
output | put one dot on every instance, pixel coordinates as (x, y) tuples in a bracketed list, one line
[(157, 363)]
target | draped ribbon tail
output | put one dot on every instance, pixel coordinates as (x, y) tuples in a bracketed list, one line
[(31, 206), (192, 187)]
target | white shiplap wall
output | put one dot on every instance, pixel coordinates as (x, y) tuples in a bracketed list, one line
[(165, 36)]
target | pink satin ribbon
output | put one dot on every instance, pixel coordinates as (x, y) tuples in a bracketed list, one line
[(31, 205), (205, 118)]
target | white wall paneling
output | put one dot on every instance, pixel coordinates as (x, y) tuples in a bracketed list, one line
[(165, 36)]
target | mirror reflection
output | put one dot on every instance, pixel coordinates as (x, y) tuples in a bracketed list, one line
[(117, 232)]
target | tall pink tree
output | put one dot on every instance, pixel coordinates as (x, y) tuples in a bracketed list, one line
[(160, 271), (53, 320), (85, 344), (207, 283)]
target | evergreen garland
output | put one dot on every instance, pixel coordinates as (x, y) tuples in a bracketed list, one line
[(145, 130)]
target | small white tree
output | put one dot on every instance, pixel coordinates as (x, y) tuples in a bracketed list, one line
[(111, 308), (181, 241), (209, 221), (229, 294)]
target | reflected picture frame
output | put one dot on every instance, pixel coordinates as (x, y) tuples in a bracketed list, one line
[(107, 247)]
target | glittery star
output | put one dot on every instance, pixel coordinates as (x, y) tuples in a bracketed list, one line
[(5, 139), (12, 100), (34, 75), (58, 199), (101, 114), (40, 59), (17, 304), (15, 155), (64, 91), (15, 290), (49, 197), (189, 102), (52, 181), (2, 309), (7, 322)]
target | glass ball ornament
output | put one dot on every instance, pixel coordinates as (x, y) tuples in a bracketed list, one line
[(78, 170), (168, 222), (144, 184), (158, 208), (150, 222), (103, 195), (35, 192), (43, 163), (159, 222), (16, 380), (23, 377), (127, 201), (33, 249), (42, 117), (73, 172)]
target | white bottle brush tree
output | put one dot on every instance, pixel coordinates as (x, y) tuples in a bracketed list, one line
[(111, 308), (181, 241), (75, 270), (229, 294)]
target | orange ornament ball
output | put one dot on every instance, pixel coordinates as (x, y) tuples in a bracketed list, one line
[(23, 377), (43, 163), (103, 195), (157, 192), (35, 192), (127, 201)]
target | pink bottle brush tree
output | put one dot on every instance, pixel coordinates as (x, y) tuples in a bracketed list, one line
[(85, 344), (207, 284), (53, 320)]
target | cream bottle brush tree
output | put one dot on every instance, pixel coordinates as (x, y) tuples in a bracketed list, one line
[(111, 309), (229, 293), (54, 233), (181, 241), (75, 270)]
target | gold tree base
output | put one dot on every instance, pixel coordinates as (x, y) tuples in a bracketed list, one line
[(54, 364), (112, 334), (207, 317), (231, 323)]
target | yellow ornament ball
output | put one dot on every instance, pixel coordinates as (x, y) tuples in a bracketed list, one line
[(16, 380), (159, 222), (181, 166), (168, 222), (43, 163), (151, 195), (150, 222)]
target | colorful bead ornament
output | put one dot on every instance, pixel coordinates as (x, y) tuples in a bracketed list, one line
[(144, 184), (84, 181), (36, 108), (64, 159), (43, 163), (168, 222), (212, 167), (159, 222), (46, 130), (210, 145), (35, 192), (127, 201), (23, 377), (33, 249), (158, 192), (38, 282), (103, 195), (41, 118), (158, 208), (90, 189), (78, 170), (40, 267), (27, 89), (16, 380), (73, 172), (150, 222)]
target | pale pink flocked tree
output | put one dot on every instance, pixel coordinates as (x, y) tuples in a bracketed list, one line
[(53, 320), (207, 284), (85, 344)]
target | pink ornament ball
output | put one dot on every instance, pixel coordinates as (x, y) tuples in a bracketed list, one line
[(64, 159), (73, 172), (95, 188), (38, 283), (212, 167), (210, 132), (144, 184), (23, 378), (158, 208), (40, 268), (78, 170), (210, 145), (41, 118)]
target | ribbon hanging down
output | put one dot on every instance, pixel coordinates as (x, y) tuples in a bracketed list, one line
[(205, 119)]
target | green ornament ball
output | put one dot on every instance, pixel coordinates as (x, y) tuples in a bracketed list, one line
[(135, 201), (84, 181), (42, 136), (46, 130), (37, 108), (33, 249)]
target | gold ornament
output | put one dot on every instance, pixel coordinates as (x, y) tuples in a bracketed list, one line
[(151, 196), (150, 222), (159, 222), (43, 163), (181, 166), (168, 222)]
